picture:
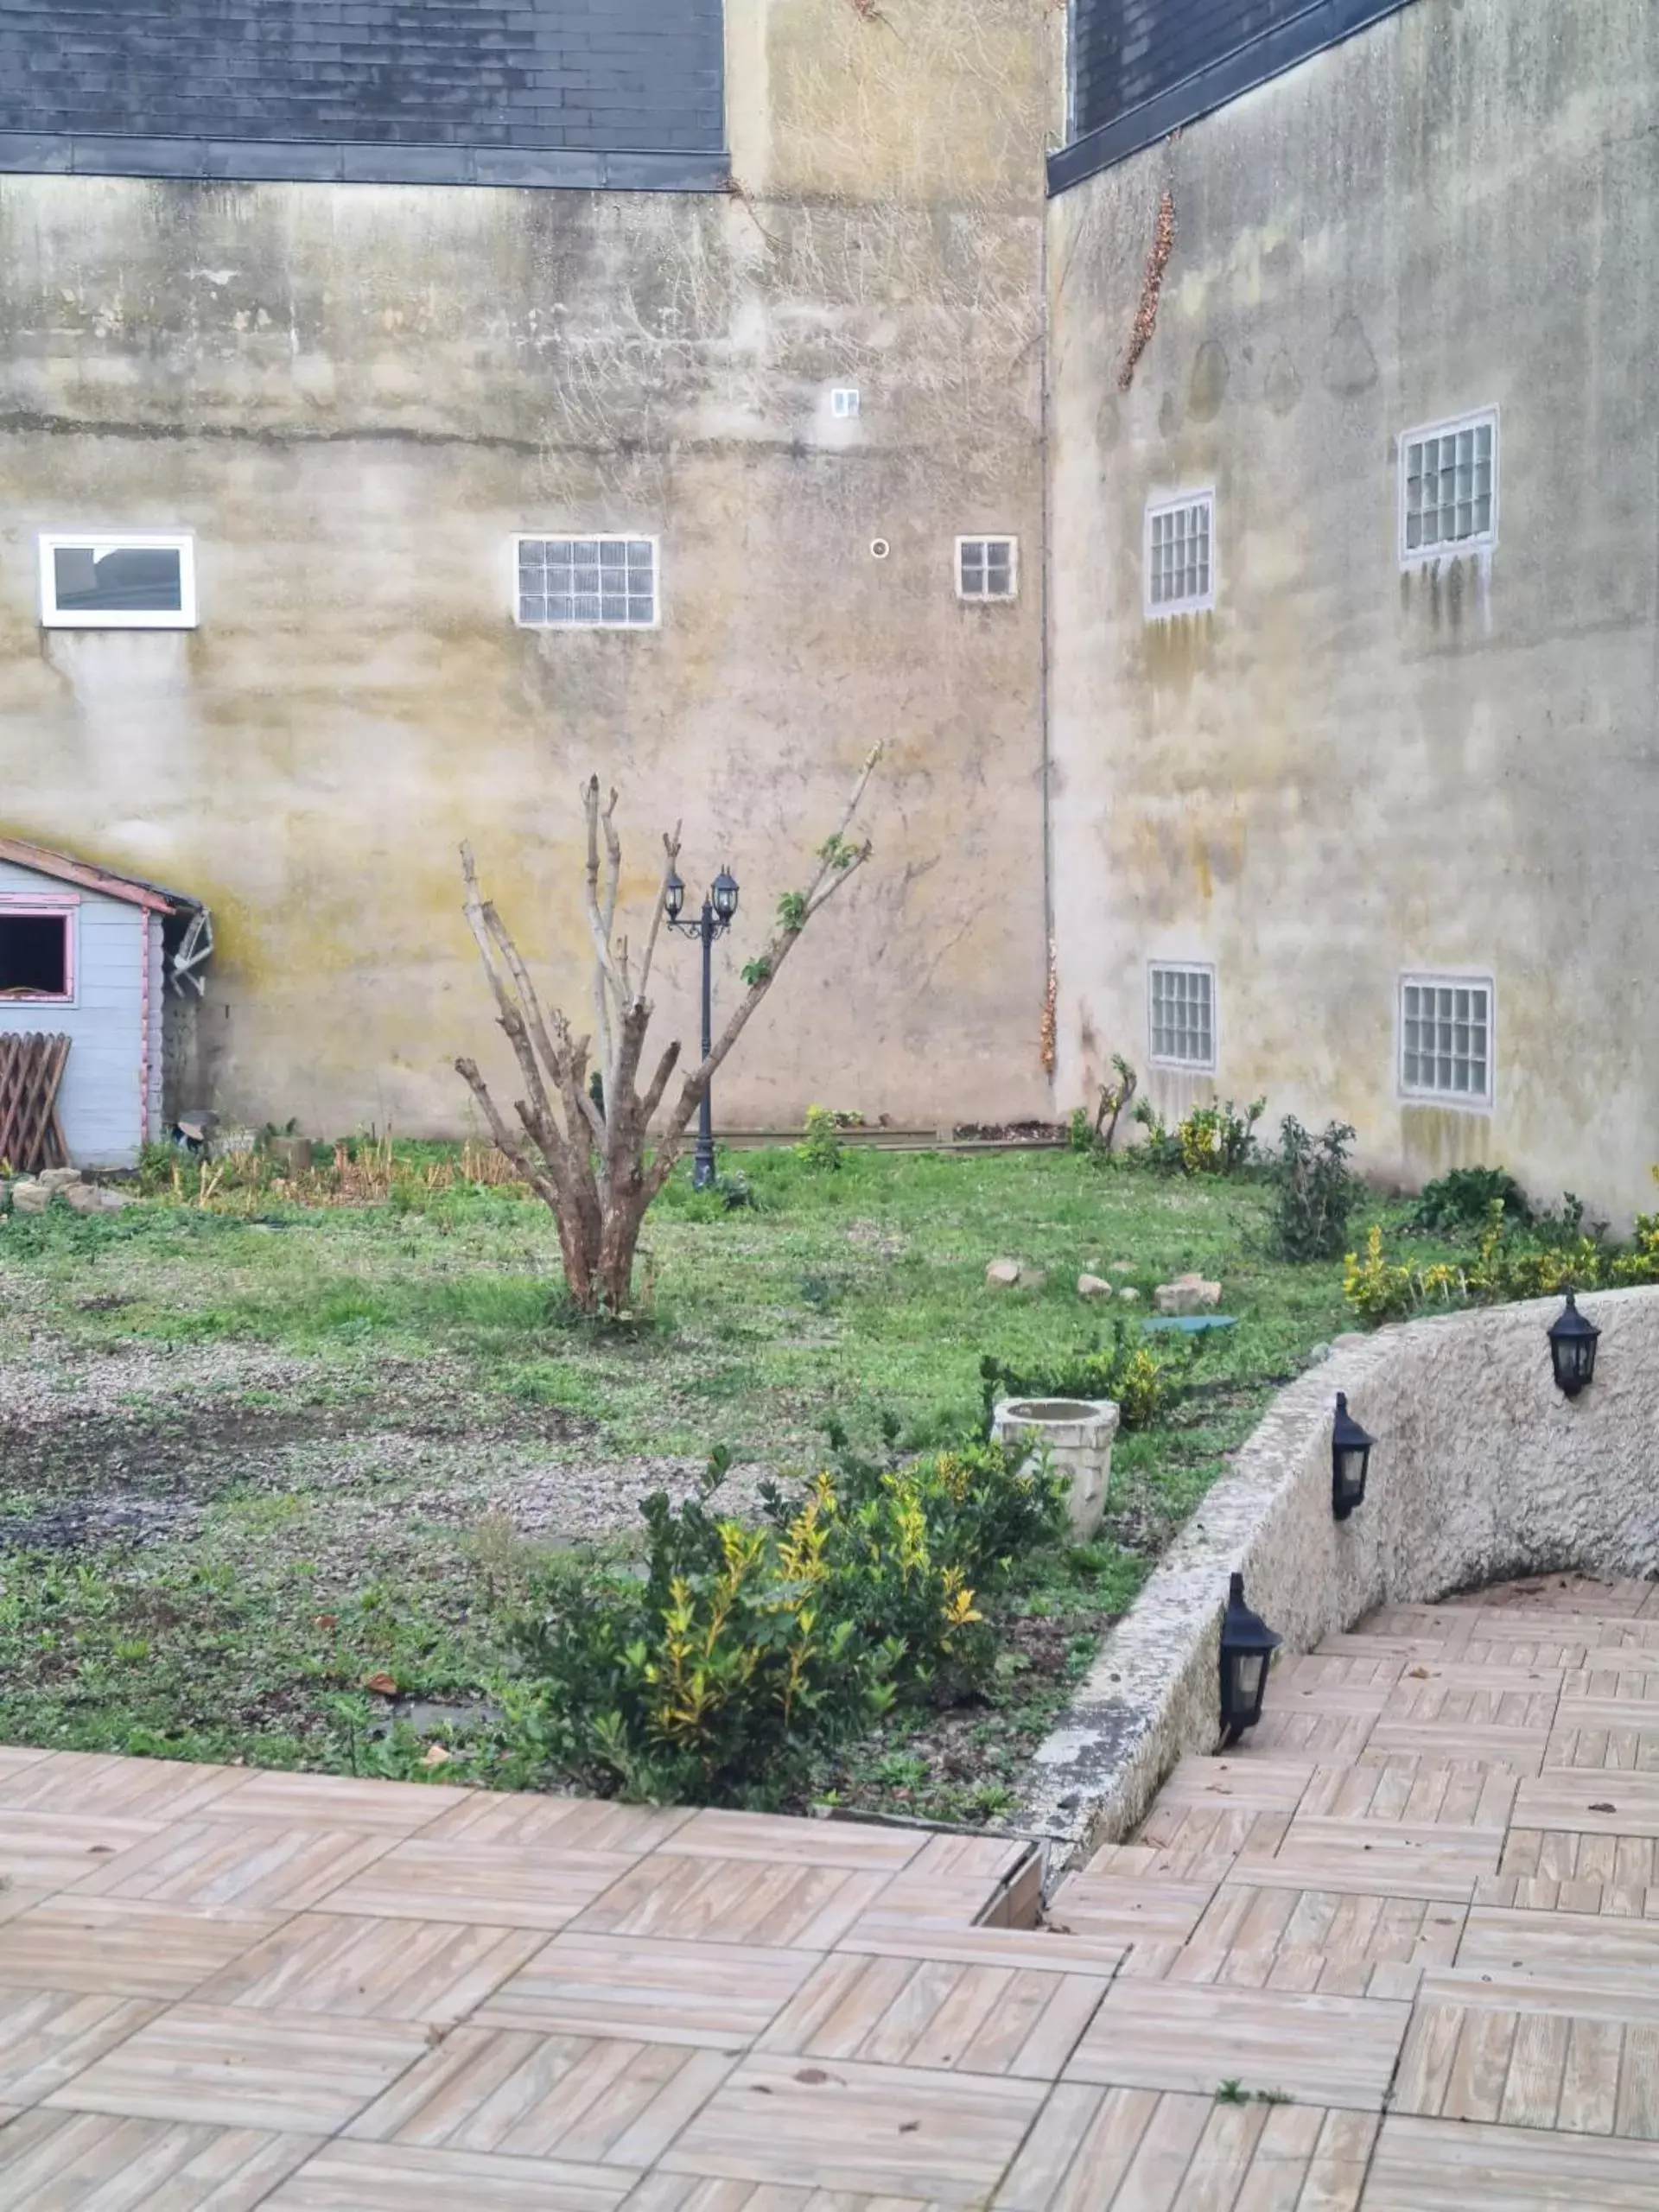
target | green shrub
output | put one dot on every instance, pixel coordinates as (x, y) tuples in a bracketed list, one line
[(1144, 1386), (1315, 1191), (1380, 1289), (821, 1147), (742, 1654), (1463, 1199), (1211, 1141)]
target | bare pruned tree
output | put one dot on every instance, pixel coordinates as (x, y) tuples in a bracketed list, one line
[(596, 1161)]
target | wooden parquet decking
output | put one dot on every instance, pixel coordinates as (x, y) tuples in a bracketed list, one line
[(1414, 1926)]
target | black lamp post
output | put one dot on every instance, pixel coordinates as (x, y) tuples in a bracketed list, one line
[(715, 919), (1350, 1461), (1247, 1644), (1572, 1349)]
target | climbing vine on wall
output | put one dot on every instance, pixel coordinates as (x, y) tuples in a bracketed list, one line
[(1151, 286)]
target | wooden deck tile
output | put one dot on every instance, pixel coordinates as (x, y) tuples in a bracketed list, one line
[(661, 2192), (1239, 1781), (377, 2178), (1336, 1942), (1051, 1948), (14, 1757), (431, 1970), (1169, 2035), (110, 1945), (560, 1823), (734, 1901), (1131, 1908), (112, 2164), (1590, 1803), (650, 1990), (512, 1886), (1522, 1750), (47, 2035), (1430, 2165), (95, 1786), (54, 1851), (875, 2129), (1562, 1946), (583, 2099), (338, 1801), (714, 1834), (938, 2015), (1378, 1857), (283, 2070), (260, 1866)]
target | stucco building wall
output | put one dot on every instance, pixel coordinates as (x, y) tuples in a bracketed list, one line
[(1345, 771), (353, 395)]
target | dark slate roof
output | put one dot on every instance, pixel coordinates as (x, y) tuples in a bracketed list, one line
[(1142, 69), (532, 91)]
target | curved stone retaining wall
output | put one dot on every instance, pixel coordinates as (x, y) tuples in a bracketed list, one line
[(1482, 1470)]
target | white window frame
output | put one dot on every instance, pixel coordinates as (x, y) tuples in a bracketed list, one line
[(1199, 602), (181, 542), (990, 598), (1447, 548), (1205, 968), (521, 537), (845, 403), (48, 906), (1454, 979)]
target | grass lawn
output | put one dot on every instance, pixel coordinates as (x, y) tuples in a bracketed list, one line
[(258, 1453)]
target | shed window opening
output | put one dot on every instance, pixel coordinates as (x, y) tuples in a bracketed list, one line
[(1183, 1017), (1450, 479), (1445, 1037), (588, 582), (109, 581), (1180, 569), (987, 568), (34, 955)]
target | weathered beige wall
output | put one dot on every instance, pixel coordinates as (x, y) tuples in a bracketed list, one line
[(1343, 773), (353, 395)]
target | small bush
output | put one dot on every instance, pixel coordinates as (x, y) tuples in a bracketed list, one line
[(1380, 1289), (1315, 1191), (742, 1654), (821, 1147), (1211, 1141), (1143, 1386), (1462, 1201)]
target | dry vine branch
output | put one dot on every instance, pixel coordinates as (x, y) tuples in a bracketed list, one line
[(1151, 287), (591, 1159)]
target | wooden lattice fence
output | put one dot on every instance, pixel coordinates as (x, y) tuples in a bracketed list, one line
[(31, 1071)]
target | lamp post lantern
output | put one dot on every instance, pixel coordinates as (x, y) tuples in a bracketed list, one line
[(1350, 1460), (1572, 1349), (1247, 1644), (718, 908)]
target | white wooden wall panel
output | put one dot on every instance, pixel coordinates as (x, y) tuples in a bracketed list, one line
[(99, 1105)]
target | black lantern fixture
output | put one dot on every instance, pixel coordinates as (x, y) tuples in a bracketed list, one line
[(1350, 1461), (1572, 1349), (718, 911), (1247, 1644)]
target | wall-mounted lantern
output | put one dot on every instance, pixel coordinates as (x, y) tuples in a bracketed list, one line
[(1247, 1644), (1350, 1461), (1572, 1349)]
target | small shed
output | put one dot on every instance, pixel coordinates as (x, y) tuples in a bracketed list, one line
[(88, 955)]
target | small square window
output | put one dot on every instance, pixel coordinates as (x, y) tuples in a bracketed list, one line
[(1182, 1008), (1448, 488), (37, 955), (590, 583), (1445, 1038), (96, 579), (1180, 556), (988, 568), (843, 402)]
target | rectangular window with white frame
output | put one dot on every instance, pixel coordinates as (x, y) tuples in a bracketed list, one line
[(37, 951), (1446, 1038), (607, 582), (1181, 1010), (1180, 554), (1448, 488), (117, 580), (988, 568)]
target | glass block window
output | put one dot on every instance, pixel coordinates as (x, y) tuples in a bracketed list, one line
[(1448, 487), (988, 568), (1445, 1038), (1180, 556), (1183, 1010), (593, 583)]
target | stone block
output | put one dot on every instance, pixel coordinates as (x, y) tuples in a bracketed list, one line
[(30, 1197), (1093, 1286), (1002, 1275), (58, 1179), (89, 1197), (1187, 1294)]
